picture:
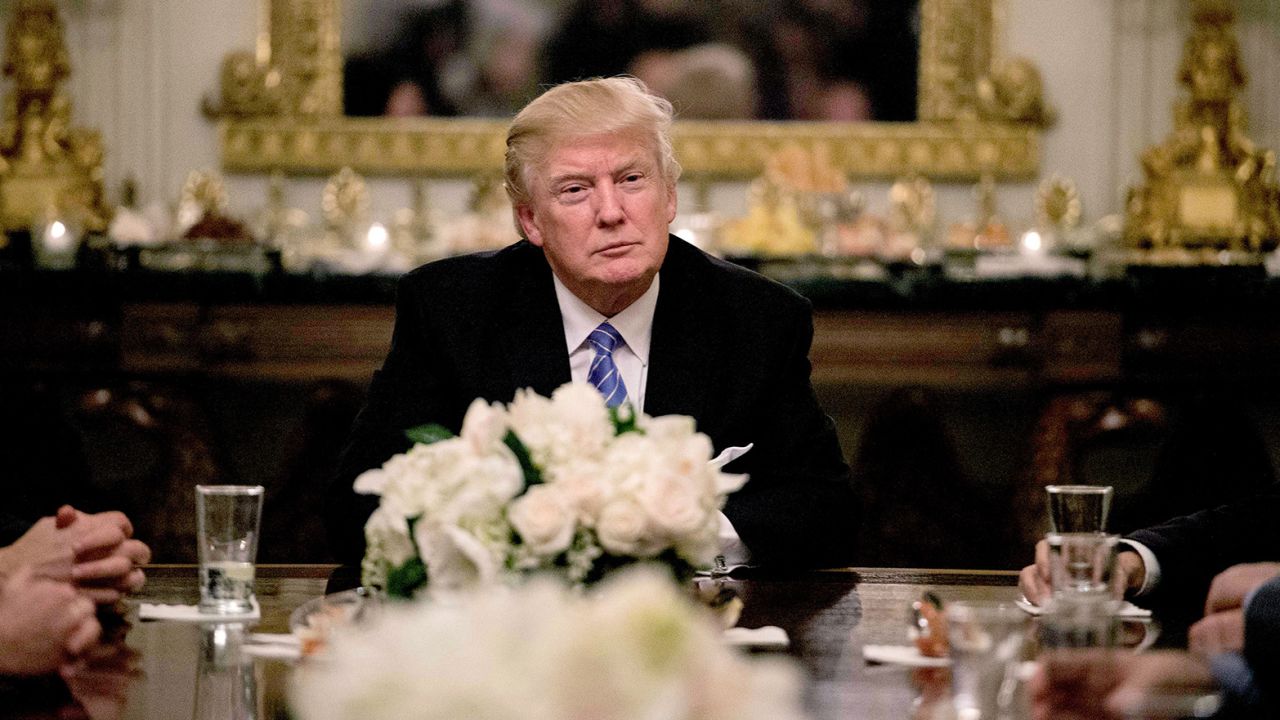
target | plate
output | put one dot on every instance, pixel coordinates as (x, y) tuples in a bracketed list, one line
[(908, 655)]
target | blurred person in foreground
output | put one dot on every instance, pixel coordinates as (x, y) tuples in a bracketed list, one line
[(51, 580), (1234, 651), (592, 178)]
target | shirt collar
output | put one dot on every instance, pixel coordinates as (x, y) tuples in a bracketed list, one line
[(634, 323)]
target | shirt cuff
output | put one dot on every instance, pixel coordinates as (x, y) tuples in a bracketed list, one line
[(1151, 566), (732, 550)]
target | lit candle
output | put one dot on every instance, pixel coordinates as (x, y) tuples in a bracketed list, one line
[(377, 238), (1032, 242), (56, 237)]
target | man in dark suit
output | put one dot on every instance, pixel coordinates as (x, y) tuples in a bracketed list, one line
[(592, 178), (1170, 566)]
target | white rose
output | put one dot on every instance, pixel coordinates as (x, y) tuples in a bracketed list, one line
[(581, 485), (484, 425), (543, 519), (673, 505), (372, 482), (478, 487), (573, 424), (624, 529), (668, 427)]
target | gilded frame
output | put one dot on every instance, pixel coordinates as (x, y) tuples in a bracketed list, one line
[(281, 110)]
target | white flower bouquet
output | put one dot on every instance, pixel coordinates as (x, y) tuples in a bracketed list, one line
[(561, 483), (635, 649)]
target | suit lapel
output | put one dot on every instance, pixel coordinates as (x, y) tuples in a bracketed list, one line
[(680, 374), (534, 342)]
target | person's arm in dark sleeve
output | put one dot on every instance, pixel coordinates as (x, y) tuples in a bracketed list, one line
[(799, 507), (409, 390), (1194, 548)]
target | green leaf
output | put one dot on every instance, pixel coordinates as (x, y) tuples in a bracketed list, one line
[(532, 476), (427, 434), (403, 581), (624, 419)]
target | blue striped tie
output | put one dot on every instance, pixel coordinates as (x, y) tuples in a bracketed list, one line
[(604, 375)]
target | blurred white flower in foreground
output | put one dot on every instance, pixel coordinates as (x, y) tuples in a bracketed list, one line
[(635, 648)]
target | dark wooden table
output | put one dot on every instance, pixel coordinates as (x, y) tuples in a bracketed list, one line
[(828, 615)]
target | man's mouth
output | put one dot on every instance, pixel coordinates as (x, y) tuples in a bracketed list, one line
[(616, 249)]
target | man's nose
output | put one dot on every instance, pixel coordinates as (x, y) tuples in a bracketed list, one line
[(608, 205)]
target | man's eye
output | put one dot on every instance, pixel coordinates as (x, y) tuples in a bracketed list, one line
[(633, 178)]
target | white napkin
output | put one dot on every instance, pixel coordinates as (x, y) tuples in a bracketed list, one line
[(192, 614), (273, 646), (908, 655), (770, 637), (1127, 609)]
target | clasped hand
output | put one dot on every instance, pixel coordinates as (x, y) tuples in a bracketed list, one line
[(94, 552)]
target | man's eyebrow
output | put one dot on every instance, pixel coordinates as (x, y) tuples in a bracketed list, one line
[(555, 181), (640, 162)]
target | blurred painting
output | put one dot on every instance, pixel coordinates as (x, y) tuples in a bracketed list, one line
[(832, 60)]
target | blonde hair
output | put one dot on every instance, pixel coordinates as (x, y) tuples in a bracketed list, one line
[(600, 106)]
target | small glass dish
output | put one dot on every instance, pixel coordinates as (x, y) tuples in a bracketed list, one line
[(313, 621)]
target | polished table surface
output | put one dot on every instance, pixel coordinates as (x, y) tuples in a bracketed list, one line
[(828, 615)]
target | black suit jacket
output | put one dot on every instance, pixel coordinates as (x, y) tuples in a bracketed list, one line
[(729, 348), (1194, 548)]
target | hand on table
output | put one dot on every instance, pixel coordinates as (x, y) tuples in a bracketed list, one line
[(1037, 584), (43, 624), (1222, 629), (95, 551)]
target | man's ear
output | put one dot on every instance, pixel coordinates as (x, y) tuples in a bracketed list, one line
[(528, 224)]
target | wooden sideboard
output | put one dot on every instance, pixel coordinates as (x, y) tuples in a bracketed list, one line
[(956, 400)]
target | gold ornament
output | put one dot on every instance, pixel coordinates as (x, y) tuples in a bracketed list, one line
[(46, 166), (1210, 194)]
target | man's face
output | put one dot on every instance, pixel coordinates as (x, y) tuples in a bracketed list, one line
[(600, 208)]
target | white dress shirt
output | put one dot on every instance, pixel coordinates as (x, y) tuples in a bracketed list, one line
[(1150, 566)]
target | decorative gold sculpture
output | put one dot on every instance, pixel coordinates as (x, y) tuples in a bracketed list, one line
[(202, 212), (47, 167), (345, 203), (281, 110), (1058, 205), (1208, 188), (987, 231)]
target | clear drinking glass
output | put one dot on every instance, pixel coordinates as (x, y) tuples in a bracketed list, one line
[(986, 647), (1079, 508), (227, 521), (1084, 563), (1078, 621)]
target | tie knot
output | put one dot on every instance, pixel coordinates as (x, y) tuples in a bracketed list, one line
[(605, 338)]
